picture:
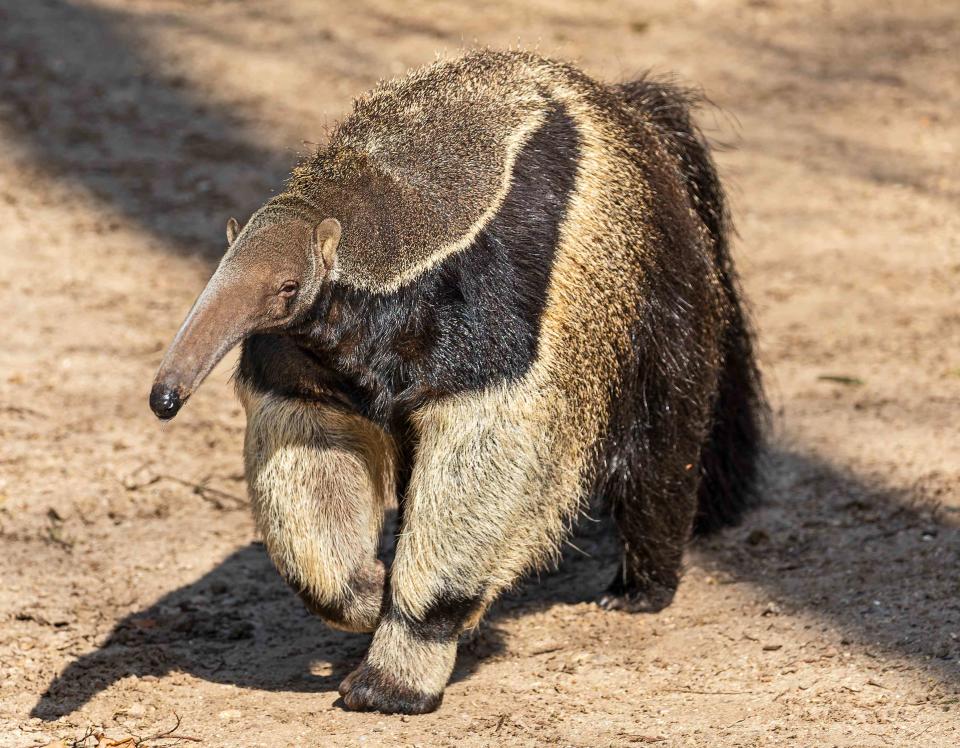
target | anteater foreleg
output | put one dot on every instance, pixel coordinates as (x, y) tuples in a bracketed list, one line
[(486, 502), (319, 481)]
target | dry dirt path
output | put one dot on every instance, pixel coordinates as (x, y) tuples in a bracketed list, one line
[(133, 587)]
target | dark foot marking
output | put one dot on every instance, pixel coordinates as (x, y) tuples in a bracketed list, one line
[(367, 689)]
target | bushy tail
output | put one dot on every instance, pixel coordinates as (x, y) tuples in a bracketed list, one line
[(729, 461)]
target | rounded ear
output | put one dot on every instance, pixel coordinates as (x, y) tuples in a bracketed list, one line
[(233, 228), (325, 240)]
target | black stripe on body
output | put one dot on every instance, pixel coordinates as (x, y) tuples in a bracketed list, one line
[(468, 323)]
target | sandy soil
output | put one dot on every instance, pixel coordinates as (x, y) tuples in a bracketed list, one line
[(133, 586)]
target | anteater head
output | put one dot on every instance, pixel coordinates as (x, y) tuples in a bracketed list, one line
[(268, 279)]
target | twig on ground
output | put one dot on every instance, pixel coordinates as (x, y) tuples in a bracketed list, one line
[(212, 495), (709, 693), (914, 737), (167, 735), (80, 742)]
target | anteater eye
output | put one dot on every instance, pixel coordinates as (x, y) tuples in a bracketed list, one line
[(288, 289)]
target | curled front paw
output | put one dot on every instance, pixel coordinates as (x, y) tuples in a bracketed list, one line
[(368, 689)]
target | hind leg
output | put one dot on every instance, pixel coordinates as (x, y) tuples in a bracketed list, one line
[(319, 481), (654, 527)]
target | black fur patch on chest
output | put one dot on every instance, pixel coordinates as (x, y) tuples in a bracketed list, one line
[(276, 364)]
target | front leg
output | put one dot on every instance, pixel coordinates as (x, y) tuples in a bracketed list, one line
[(319, 480), (404, 672), (491, 493)]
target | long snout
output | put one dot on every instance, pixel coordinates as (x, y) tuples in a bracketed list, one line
[(220, 318)]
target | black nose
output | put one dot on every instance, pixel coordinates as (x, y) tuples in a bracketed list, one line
[(164, 402)]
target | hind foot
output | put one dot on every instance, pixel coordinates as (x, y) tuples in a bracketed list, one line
[(649, 597)]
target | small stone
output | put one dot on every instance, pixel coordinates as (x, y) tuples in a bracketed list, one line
[(772, 609), (136, 710), (230, 714)]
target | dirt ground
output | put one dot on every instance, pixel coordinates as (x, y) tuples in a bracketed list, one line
[(134, 588)]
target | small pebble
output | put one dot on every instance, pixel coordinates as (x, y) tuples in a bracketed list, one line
[(136, 710)]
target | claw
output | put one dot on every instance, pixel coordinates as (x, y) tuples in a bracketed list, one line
[(367, 689), (637, 602)]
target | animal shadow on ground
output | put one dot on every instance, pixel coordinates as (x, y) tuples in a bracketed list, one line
[(237, 624), (871, 562)]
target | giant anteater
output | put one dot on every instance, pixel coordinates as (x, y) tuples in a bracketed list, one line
[(499, 290)]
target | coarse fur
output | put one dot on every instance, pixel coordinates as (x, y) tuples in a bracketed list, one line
[(320, 478), (730, 458), (532, 303)]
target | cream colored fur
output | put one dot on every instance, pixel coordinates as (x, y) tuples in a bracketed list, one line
[(319, 481)]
